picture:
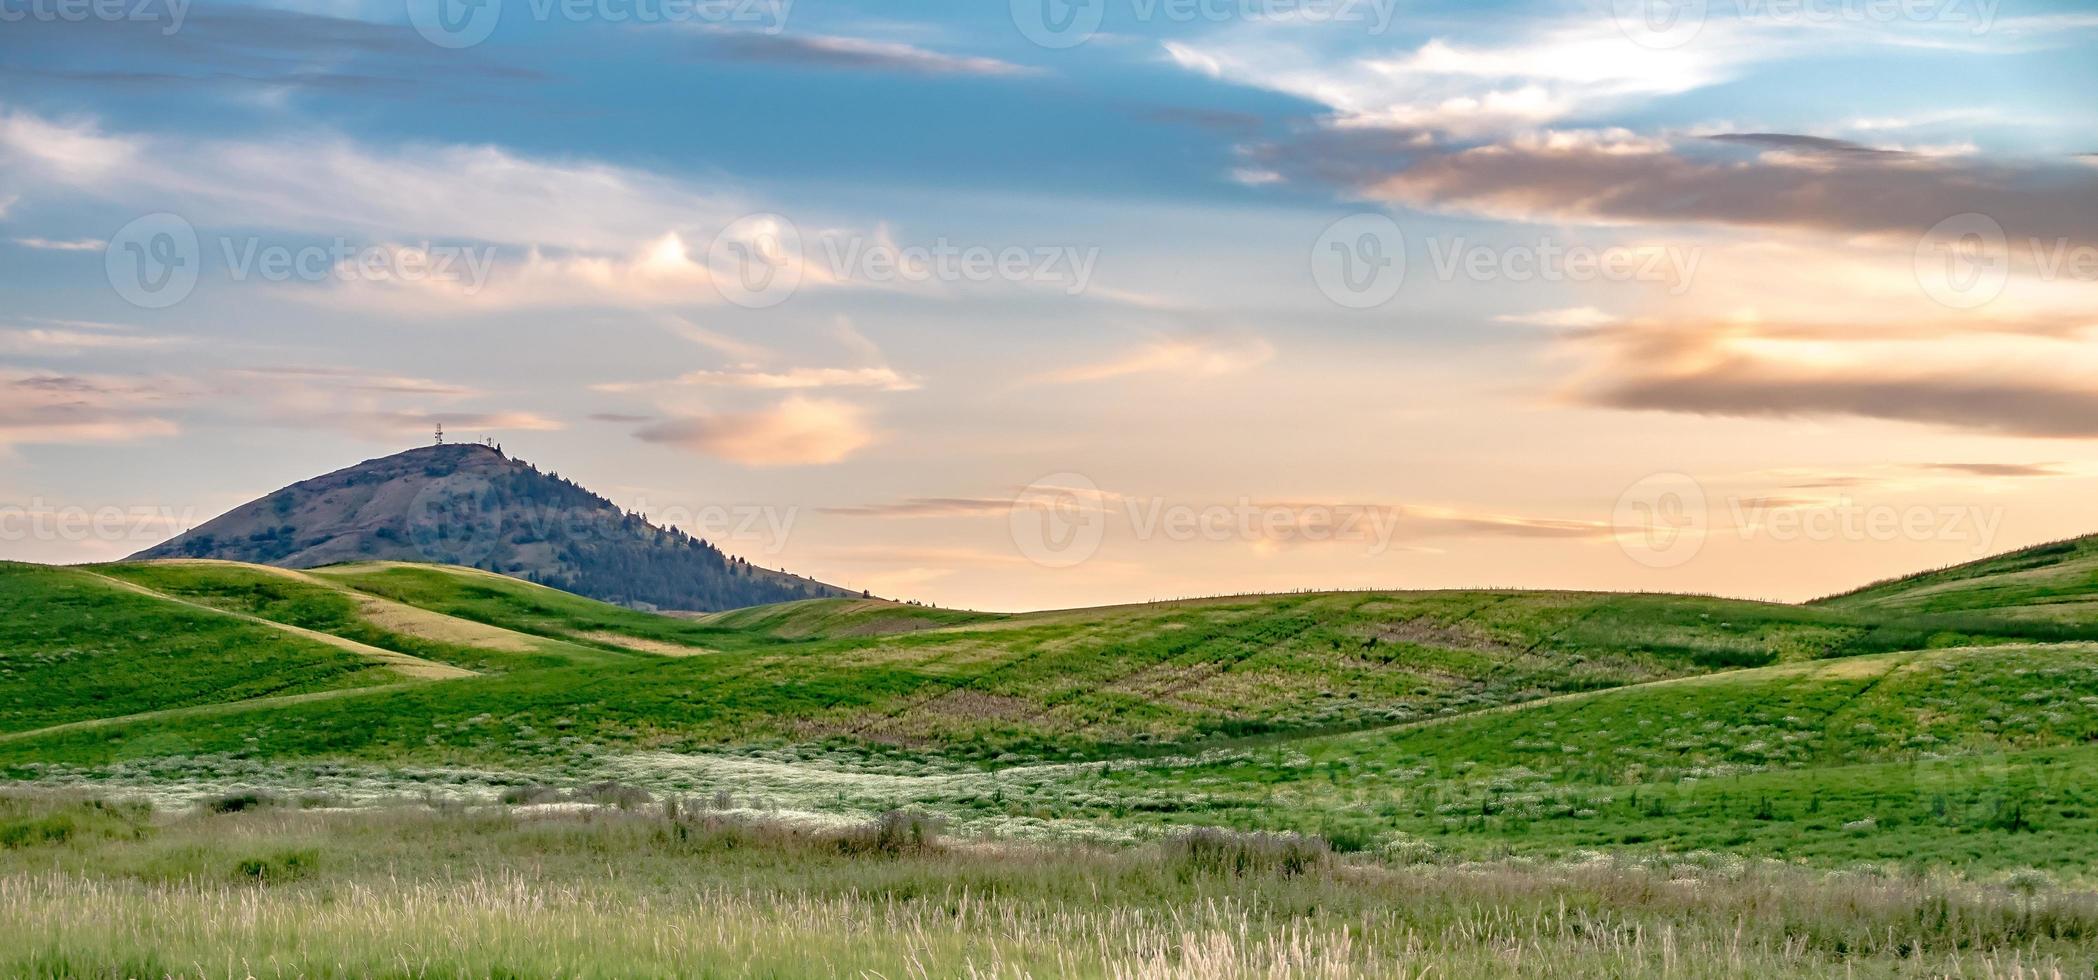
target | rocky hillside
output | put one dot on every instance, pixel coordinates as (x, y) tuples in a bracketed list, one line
[(471, 505)]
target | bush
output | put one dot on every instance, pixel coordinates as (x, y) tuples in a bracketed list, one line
[(615, 794), (235, 802), (896, 832), (279, 866), (54, 829), (527, 795), (1215, 851)]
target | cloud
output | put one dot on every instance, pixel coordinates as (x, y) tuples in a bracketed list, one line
[(1614, 177), (852, 53), (69, 245), (345, 379), (1571, 317), (42, 408), (1551, 73), (416, 421), (257, 55), (929, 507), (800, 378), (67, 339), (1200, 357), (328, 184), (1281, 520), (2036, 387), (2000, 470), (798, 431), (1513, 75)]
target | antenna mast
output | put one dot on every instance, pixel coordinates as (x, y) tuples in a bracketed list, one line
[(440, 433)]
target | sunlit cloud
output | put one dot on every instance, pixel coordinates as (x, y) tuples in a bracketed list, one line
[(1198, 357), (799, 431), (45, 408)]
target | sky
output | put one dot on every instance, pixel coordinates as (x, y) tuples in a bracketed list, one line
[(1049, 303)]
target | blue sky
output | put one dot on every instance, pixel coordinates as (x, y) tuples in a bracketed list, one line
[(1162, 318)]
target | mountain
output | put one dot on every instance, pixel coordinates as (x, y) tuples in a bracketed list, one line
[(472, 505)]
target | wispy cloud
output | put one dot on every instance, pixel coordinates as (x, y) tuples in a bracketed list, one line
[(853, 53), (928, 507), (1770, 181), (45, 408), (1570, 317), (799, 431), (2030, 386), (1192, 356), (63, 245), (789, 379)]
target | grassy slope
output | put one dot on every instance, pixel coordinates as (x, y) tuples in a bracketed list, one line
[(316, 603), (1914, 705), (1080, 684), (2056, 581), (74, 647), (1969, 756)]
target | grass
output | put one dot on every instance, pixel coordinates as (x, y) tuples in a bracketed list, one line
[(76, 648), (499, 892), (1472, 783), (315, 603)]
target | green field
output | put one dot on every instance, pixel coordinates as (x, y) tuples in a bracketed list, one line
[(1927, 737)]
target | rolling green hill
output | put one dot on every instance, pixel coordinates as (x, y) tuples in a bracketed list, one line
[(2056, 581), (1957, 705)]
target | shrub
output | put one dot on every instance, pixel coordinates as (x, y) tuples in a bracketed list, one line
[(54, 829), (1215, 851), (525, 795), (616, 794), (278, 866), (235, 802), (893, 833)]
